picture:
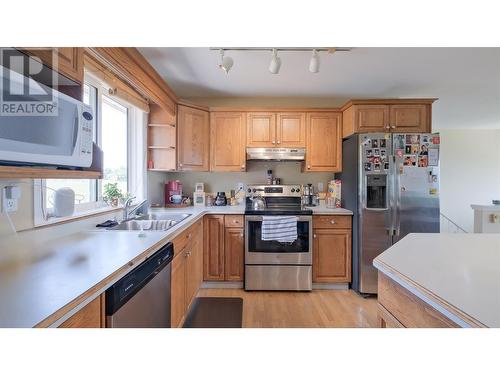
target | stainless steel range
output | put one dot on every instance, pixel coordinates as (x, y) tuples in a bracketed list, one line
[(277, 264)]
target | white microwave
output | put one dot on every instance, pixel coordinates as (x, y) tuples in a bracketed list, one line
[(61, 135)]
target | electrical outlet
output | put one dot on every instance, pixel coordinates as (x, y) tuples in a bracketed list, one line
[(241, 186), (9, 200)]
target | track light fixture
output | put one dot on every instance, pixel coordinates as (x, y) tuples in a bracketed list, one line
[(314, 62), (226, 62), (274, 66)]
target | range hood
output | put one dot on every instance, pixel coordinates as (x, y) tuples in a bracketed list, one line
[(258, 153)]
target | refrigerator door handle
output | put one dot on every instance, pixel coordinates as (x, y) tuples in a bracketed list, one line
[(397, 223)]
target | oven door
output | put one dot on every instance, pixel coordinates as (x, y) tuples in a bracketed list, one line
[(258, 251)]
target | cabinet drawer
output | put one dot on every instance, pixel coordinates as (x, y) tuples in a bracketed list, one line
[(233, 221), (187, 235), (331, 221)]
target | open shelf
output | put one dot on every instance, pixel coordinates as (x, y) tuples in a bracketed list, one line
[(162, 147), (39, 172), (162, 125), (161, 170)]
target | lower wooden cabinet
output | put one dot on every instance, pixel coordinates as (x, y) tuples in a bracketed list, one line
[(194, 268), (178, 290), (90, 316), (332, 249), (187, 272), (223, 254), (398, 307), (213, 251), (234, 246)]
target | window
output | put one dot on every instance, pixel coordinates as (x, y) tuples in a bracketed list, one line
[(119, 129)]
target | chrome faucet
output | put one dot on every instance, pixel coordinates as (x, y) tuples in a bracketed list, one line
[(140, 208)]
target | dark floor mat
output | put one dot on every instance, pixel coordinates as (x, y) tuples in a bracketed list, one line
[(215, 312)]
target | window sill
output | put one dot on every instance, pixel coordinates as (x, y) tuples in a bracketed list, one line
[(79, 215)]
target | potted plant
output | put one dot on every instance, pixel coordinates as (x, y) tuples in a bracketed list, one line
[(112, 194)]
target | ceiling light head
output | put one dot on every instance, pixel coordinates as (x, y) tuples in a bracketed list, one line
[(226, 62), (274, 66), (314, 62)]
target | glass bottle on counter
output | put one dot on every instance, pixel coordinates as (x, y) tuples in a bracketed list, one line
[(269, 176)]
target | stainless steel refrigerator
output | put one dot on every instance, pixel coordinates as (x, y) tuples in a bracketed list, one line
[(391, 183)]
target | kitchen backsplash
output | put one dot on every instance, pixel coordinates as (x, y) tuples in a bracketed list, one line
[(289, 172)]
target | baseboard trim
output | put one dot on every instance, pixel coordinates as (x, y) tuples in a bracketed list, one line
[(331, 286), (239, 285), (222, 285)]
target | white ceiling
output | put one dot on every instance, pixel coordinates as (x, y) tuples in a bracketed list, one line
[(466, 80)]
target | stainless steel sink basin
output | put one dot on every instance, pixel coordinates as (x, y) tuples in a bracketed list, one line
[(153, 221), (163, 216)]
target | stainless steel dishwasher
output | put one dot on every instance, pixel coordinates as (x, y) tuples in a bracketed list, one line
[(141, 299)]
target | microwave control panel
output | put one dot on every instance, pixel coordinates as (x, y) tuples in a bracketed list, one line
[(86, 127)]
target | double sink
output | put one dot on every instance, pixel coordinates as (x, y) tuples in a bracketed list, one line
[(152, 221)]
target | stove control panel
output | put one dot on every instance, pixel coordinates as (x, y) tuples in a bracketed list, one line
[(274, 190)]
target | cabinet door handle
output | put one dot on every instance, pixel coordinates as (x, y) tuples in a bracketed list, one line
[(393, 126), (273, 142), (314, 235), (180, 164), (388, 127), (308, 166), (241, 235), (279, 142), (332, 222), (242, 166)]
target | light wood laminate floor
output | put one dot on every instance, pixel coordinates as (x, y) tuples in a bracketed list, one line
[(316, 309)]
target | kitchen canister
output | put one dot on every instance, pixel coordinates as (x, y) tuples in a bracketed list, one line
[(64, 202)]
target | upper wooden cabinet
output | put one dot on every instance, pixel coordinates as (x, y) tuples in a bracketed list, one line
[(261, 129), (324, 142), (291, 129), (193, 132), (410, 118), (69, 60), (227, 141), (382, 116), (282, 129)]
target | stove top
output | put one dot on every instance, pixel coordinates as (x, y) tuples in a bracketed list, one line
[(280, 200)]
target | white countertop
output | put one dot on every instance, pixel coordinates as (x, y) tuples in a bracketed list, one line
[(37, 279), (458, 274), (489, 207)]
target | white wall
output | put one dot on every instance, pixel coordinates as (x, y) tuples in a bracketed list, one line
[(470, 172)]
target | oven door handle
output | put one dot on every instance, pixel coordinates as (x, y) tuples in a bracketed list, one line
[(261, 218)]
